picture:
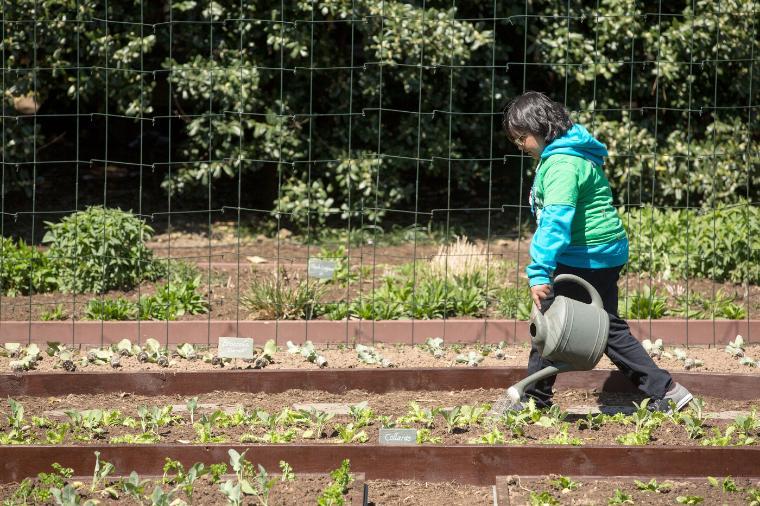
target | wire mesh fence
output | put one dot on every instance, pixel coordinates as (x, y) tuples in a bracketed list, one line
[(323, 160)]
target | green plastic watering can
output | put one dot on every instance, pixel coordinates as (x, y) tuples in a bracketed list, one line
[(571, 334)]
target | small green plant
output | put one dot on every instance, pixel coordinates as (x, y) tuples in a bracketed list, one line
[(425, 436), (645, 304), (287, 472), (24, 269), (564, 484), (727, 484), (494, 437), (361, 414), (472, 359), (515, 302), (653, 486), (368, 355), (58, 313), (110, 309), (689, 499), (753, 497), (434, 346), (348, 433), (563, 437), (333, 494), (543, 498), (309, 352), (205, 427), (620, 497), (277, 298), (654, 349), (735, 348)]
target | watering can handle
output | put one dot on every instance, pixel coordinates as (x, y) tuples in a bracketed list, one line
[(596, 300)]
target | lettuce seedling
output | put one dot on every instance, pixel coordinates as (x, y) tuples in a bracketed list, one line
[(494, 437), (472, 359), (727, 484), (361, 414), (451, 416), (653, 486), (333, 494), (368, 355), (735, 348), (317, 420), (542, 499), (689, 499), (187, 351), (620, 497), (308, 352), (653, 349), (563, 437), (425, 436), (564, 484), (349, 434), (434, 345)]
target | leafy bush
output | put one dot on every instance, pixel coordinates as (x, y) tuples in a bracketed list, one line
[(701, 307), (515, 302), (23, 269), (722, 244), (100, 249)]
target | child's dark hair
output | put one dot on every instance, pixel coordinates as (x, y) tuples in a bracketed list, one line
[(536, 114)]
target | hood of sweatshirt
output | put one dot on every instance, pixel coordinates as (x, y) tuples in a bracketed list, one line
[(577, 142)]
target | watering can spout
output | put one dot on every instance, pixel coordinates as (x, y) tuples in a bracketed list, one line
[(517, 391)]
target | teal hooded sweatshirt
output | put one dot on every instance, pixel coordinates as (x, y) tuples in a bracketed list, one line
[(571, 200)]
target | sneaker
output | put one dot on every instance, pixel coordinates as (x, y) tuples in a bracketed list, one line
[(676, 399)]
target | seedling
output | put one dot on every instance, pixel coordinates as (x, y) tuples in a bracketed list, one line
[(563, 437), (749, 362), (232, 492), (425, 436), (434, 345), (216, 471), (543, 498), (368, 355), (349, 434), (654, 349), (472, 359), (187, 351), (101, 472), (317, 419), (727, 485), (192, 404), (309, 352), (418, 414), (287, 472), (205, 426), (564, 484), (735, 348), (27, 357), (753, 496), (620, 497), (452, 418), (361, 414), (688, 363), (265, 355), (333, 494), (134, 486), (653, 486), (66, 496), (494, 437), (689, 499), (125, 348)]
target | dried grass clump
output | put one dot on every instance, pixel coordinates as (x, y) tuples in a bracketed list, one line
[(460, 259)]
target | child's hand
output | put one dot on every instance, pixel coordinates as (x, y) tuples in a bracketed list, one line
[(539, 292)]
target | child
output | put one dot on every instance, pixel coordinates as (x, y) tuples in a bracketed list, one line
[(579, 232)]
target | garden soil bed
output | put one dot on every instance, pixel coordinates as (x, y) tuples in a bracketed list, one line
[(406, 356), (393, 405), (514, 490)]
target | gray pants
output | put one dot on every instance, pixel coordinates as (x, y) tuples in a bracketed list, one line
[(622, 348)]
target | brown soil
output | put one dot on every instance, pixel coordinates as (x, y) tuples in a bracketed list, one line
[(407, 493), (600, 491), (394, 405), (342, 357), (224, 285)]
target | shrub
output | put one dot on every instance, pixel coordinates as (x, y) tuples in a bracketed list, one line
[(23, 269), (722, 244), (100, 249)]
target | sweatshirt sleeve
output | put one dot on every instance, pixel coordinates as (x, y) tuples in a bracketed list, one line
[(549, 241)]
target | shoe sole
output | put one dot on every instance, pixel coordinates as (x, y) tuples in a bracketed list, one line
[(684, 402)]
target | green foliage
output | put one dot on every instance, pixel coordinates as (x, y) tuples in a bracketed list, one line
[(278, 298), (542, 499), (100, 249), (333, 494), (110, 309), (620, 497), (174, 299), (515, 302), (645, 304), (23, 269), (720, 243), (699, 307)]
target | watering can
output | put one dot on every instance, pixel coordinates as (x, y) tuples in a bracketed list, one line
[(570, 334)]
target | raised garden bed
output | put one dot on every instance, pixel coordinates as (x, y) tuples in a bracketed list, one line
[(464, 446)]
